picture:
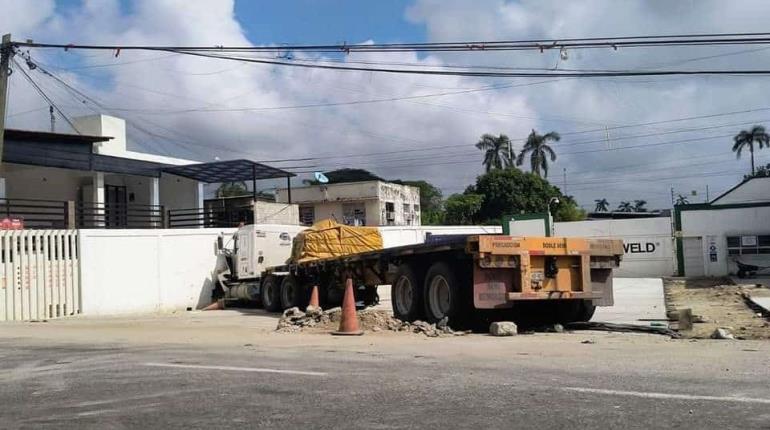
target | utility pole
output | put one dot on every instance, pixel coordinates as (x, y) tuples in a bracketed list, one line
[(5, 60), (707, 193), (565, 181)]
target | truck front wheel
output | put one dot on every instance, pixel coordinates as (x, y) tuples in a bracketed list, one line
[(442, 293), (406, 294), (269, 294)]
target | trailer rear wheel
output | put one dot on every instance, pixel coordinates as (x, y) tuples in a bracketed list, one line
[(406, 294), (269, 294), (442, 293), (567, 311), (291, 293), (587, 309)]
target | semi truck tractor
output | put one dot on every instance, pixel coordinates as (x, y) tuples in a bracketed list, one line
[(452, 276)]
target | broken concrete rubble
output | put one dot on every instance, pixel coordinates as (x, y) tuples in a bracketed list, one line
[(722, 333), (294, 320)]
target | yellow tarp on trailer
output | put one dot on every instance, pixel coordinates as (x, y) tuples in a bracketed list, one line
[(327, 238)]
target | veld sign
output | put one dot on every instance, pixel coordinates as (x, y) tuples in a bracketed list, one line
[(639, 247)]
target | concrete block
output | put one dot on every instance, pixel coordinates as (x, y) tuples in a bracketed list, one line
[(503, 328)]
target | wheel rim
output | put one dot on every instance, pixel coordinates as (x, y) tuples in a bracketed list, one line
[(404, 295), (439, 296)]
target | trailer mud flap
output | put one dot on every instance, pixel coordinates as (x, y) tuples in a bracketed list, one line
[(491, 288)]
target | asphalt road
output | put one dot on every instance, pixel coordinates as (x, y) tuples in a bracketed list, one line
[(254, 379)]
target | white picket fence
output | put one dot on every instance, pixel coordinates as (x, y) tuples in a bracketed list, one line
[(39, 274)]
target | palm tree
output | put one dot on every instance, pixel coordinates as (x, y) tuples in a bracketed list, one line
[(746, 139), (232, 189), (602, 205), (682, 200), (498, 151), (639, 205), (625, 207), (540, 151)]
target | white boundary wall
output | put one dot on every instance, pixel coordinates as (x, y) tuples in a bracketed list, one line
[(410, 235), (135, 271)]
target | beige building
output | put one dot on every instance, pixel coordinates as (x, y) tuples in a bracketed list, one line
[(370, 203)]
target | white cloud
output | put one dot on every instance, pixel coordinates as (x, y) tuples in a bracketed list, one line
[(625, 100), (150, 83)]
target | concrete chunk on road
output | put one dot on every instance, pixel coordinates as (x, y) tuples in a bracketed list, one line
[(503, 328)]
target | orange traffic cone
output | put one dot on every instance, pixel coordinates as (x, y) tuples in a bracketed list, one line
[(349, 320), (314, 302)]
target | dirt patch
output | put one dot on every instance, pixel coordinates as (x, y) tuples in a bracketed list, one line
[(716, 303), (369, 320)]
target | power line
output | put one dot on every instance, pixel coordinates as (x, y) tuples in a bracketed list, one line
[(710, 39), (488, 74), (43, 94), (218, 52), (380, 163)]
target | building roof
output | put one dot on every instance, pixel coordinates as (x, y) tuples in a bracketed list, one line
[(750, 190), (73, 151), (228, 171), (45, 136)]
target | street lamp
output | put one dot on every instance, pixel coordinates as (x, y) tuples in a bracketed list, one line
[(552, 201)]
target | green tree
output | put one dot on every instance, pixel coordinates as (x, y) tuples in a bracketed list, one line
[(431, 201), (462, 209), (498, 151), (682, 200), (512, 191), (625, 207), (539, 151), (232, 189), (639, 205), (747, 138), (602, 205)]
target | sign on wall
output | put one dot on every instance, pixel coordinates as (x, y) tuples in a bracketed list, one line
[(713, 249)]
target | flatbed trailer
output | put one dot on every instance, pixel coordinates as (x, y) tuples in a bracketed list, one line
[(453, 276)]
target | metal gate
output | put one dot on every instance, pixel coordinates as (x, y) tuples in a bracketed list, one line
[(39, 274), (693, 256)]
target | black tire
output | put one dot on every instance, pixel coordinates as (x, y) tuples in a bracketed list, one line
[(442, 294), (406, 294), (269, 294), (567, 311), (587, 310), (292, 293)]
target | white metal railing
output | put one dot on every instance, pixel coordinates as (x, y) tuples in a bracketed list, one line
[(39, 274)]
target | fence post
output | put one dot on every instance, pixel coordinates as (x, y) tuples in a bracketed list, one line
[(69, 209), (165, 215)]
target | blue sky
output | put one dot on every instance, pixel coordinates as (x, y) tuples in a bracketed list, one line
[(329, 21), (316, 21)]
